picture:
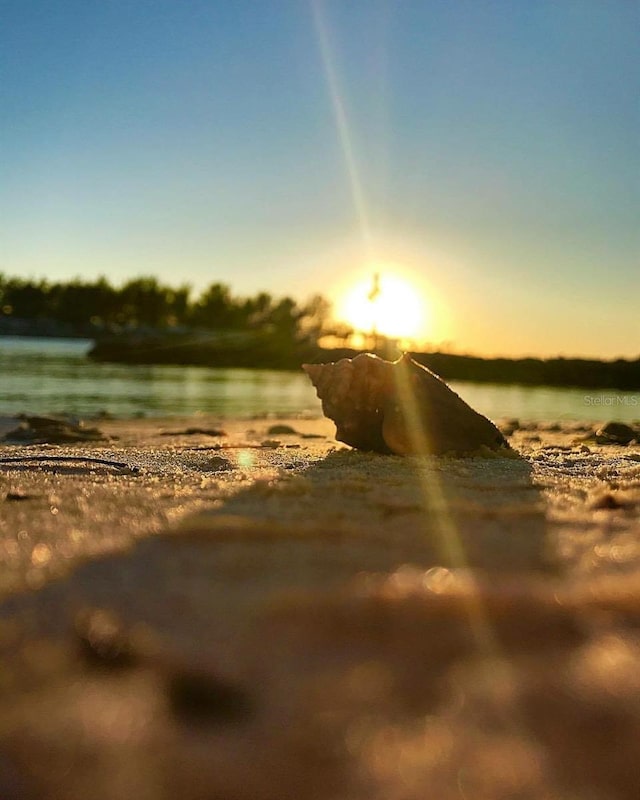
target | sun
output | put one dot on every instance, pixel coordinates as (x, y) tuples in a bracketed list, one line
[(385, 305)]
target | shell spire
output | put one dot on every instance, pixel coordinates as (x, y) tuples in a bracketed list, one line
[(398, 407)]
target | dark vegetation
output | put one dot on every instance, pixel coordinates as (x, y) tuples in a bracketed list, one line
[(82, 307), (619, 374), (143, 321)]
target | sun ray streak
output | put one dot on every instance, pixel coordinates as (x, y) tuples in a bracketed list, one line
[(436, 506), (453, 553), (343, 127)]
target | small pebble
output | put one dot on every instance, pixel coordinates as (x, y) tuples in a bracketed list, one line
[(281, 430), (218, 464), (200, 697), (18, 495), (104, 640), (616, 433), (509, 427), (195, 432), (607, 501)]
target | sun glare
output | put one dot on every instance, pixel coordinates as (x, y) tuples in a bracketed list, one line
[(385, 305)]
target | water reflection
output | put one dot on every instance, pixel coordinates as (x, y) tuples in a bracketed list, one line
[(42, 376), (54, 375)]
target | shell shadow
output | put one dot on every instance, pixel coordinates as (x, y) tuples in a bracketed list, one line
[(354, 512)]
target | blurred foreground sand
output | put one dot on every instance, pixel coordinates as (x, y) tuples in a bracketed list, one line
[(251, 610)]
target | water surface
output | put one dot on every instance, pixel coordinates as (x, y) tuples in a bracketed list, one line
[(55, 376)]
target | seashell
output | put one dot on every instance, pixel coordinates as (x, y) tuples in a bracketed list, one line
[(398, 407)]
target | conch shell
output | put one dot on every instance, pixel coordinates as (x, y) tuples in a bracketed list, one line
[(398, 407)]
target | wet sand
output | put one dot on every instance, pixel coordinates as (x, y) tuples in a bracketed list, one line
[(248, 609)]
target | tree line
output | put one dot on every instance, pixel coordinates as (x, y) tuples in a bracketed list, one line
[(145, 302)]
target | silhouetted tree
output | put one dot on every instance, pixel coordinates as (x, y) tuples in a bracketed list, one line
[(145, 302), (216, 309), (25, 298), (281, 323), (81, 303), (178, 303), (315, 317)]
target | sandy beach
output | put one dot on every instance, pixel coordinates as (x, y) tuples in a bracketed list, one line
[(248, 609)]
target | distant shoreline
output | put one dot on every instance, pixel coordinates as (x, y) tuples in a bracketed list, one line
[(620, 374), (254, 351)]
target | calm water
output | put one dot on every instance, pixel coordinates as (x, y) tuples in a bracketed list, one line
[(54, 375)]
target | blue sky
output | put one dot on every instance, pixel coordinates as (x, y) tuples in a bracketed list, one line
[(495, 154)]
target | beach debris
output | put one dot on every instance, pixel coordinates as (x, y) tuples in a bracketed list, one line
[(19, 496), (509, 427), (200, 696), (196, 432), (399, 407), (52, 459), (608, 500), (617, 433), (52, 430), (196, 693), (104, 640), (218, 464), (612, 500), (281, 430)]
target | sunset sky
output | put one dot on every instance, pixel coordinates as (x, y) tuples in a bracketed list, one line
[(485, 152)]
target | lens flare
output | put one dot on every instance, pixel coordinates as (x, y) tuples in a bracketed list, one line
[(387, 306)]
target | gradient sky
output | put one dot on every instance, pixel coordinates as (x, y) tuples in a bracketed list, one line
[(489, 148)]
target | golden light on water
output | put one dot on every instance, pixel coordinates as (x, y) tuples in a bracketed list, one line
[(386, 304)]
